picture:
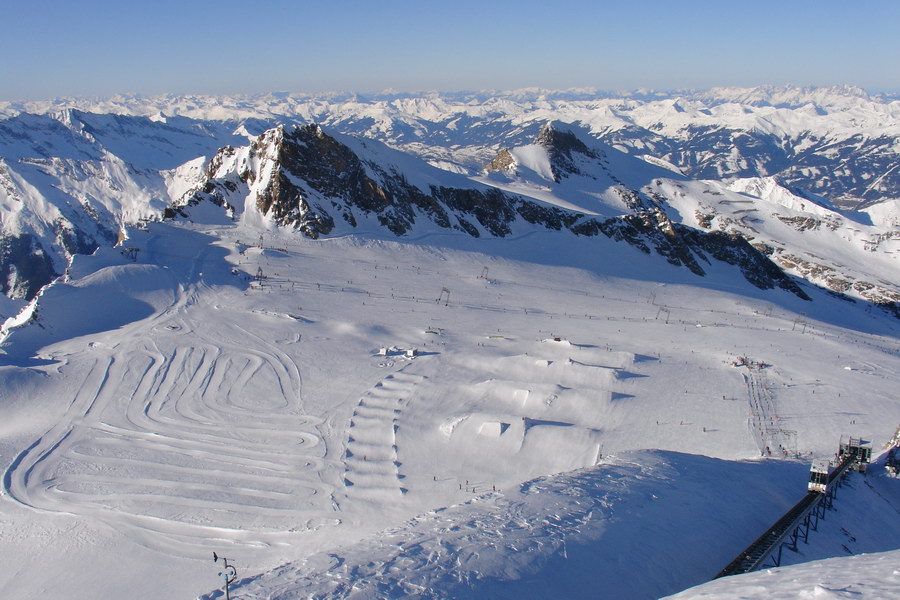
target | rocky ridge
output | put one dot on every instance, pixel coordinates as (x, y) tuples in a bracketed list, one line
[(306, 179), (821, 223), (667, 198), (72, 181)]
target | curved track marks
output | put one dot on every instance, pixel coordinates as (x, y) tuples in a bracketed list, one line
[(196, 441)]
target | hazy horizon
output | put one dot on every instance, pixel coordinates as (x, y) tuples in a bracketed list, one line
[(101, 48), (413, 93)]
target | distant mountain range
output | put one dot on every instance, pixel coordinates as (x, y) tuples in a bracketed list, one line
[(839, 142), (784, 183)]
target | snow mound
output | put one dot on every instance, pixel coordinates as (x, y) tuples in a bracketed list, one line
[(768, 188), (885, 214)]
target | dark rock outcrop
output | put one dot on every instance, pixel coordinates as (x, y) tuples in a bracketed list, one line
[(24, 266), (311, 179)]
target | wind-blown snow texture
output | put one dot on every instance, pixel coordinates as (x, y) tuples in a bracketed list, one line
[(240, 377)]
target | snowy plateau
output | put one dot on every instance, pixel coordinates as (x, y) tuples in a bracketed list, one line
[(526, 344)]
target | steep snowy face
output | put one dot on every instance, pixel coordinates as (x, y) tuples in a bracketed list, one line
[(72, 181), (563, 149), (854, 254)]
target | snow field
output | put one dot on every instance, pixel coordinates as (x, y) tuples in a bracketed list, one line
[(599, 531), (865, 576), (179, 438), (257, 419)]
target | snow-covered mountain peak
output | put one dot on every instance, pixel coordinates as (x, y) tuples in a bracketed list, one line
[(790, 96), (554, 154), (562, 136)]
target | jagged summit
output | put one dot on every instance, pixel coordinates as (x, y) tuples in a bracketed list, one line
[(322, 184), (318, 182), (561, 137), (562, 143)]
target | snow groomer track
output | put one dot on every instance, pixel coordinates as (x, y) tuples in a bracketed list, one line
[(160, 435)]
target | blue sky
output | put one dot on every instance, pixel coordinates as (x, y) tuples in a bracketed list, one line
[(101, 47)]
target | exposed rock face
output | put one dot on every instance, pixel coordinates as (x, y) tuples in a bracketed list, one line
[(560, 145), (306, 179), (24, 266), (735, 250), (502, 162), (681, 246), (807, 223)]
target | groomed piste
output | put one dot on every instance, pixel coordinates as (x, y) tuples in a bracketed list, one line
[(555, 428)]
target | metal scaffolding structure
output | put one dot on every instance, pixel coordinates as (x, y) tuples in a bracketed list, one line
[(803, 516)]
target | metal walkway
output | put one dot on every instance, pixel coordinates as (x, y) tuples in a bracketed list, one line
[(788, 529)]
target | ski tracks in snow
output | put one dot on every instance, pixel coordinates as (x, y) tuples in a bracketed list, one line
[(766, 426), (194, 440)]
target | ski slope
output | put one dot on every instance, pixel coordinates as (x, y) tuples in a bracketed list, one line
[(590, 532), (226, 391)]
